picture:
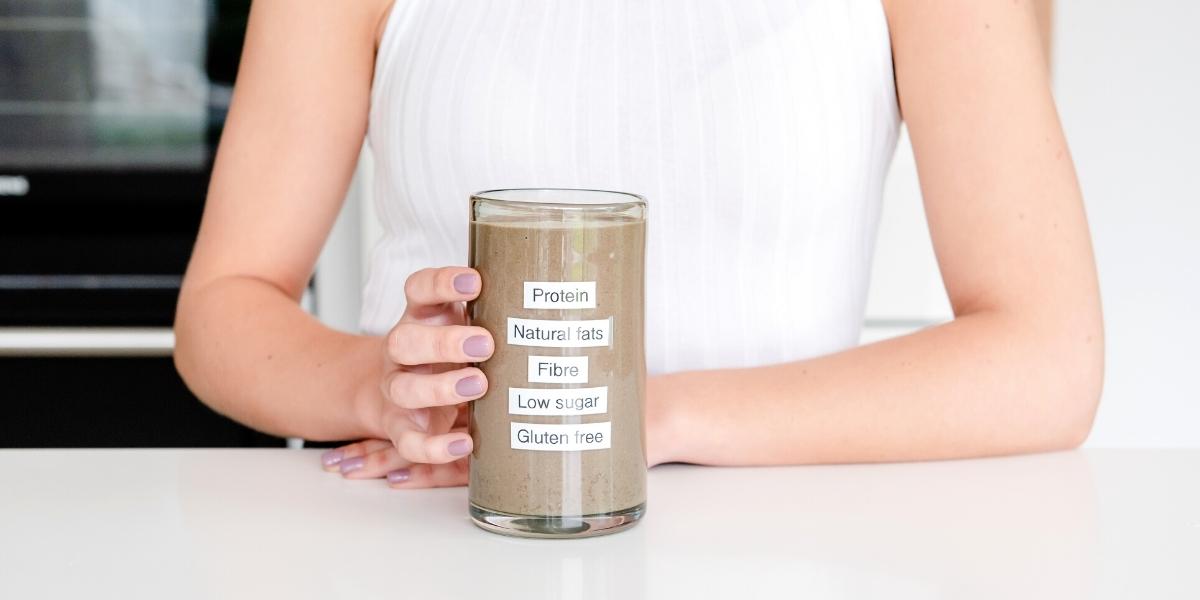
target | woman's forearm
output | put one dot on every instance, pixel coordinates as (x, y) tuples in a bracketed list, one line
[(288, 150), (251, 353), (984, 384)]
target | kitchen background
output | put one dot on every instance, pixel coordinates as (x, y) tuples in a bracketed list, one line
[(108, 113)]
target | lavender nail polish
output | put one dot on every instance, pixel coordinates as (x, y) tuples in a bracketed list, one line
[(466, 283), (352, 464), (459, 447), (469, 386), (399, 476), (478, 346), (332, 457)]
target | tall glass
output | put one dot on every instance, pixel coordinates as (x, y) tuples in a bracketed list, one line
[(559, 436)]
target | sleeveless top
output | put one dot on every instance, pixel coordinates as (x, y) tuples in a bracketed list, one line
[(760, 133)]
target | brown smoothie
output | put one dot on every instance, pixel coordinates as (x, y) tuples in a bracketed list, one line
[(550, 481)]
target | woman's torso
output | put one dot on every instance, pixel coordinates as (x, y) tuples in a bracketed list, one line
[(760, 132)]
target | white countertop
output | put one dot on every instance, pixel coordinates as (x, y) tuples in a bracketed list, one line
[(271, 524)]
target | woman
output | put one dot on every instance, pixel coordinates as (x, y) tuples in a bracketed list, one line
[(761, 133)]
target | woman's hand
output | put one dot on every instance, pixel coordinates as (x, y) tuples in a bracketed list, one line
[(419, 402)]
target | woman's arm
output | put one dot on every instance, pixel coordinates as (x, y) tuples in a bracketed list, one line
[(1020, 367), (293, 135)]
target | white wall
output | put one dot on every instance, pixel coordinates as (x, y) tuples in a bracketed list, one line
[(906, 289), (1128, 84), (1127, 78), (341, 270)]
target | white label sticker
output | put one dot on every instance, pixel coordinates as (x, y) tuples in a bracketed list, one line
[(558, 437), (558, 401), (560, 294), (558, 369), (559, 334)]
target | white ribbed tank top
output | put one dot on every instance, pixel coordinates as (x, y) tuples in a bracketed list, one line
[(759, 131)]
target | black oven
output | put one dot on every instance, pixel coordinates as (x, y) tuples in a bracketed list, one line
[(110, 111)]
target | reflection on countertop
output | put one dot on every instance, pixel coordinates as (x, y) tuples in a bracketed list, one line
[(270, 523)]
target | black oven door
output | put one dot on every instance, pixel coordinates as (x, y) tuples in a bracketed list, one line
[(109, 115)]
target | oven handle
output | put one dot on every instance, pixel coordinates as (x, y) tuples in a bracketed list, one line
[(90, 282), (86, 341), (95, 341)]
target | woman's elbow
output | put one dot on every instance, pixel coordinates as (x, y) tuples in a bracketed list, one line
[(1074, 364), (184, 354), (1078, 426), (1084, 405)]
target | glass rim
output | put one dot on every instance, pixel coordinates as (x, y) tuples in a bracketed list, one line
[(524, 198)]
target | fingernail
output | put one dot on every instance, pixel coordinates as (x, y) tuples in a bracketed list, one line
[(459, 447), (469, 386), (478, 346), (352, 464), (399, 476), (332, 457), (466, 283)]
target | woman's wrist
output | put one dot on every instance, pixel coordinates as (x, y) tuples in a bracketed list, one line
[(661, 437), (367, 398)]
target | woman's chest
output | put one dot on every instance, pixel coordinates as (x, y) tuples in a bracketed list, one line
[(729, 108), (551, 85)]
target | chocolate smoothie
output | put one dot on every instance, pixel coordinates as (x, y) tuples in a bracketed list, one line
[(589, 381)]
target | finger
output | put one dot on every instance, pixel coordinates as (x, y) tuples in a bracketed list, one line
[(374, 464), (331, 460), (441, 419), (420, 447), (429, 290), (426, 476), (419, 344), (451, 313), (407, 389), (433, 367)]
